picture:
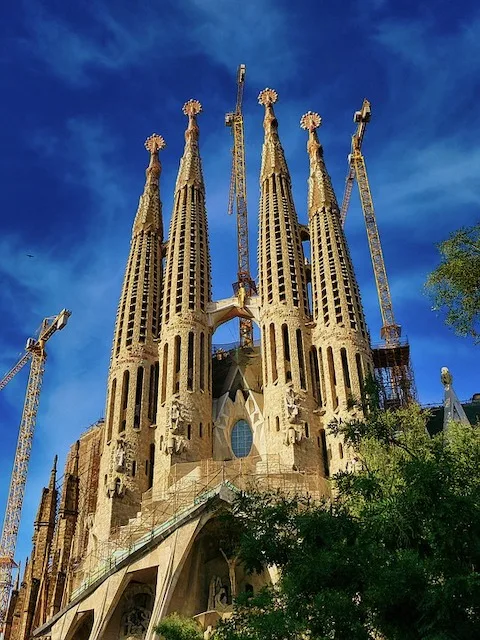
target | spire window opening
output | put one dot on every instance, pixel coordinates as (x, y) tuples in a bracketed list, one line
[(340, 450), (273, 353), (125, 389), (134, 468), (323, 446), (317, 392), (189, 431), (307, 430), (322, 376), (151, 466), (346, 371), (138, 399), (286, 353), (177, 361), (202, 362), (200, 430), (164, 373), (111, 409), (301, 360), (264, 355), (277, 424), (332, 376), (191, 347)]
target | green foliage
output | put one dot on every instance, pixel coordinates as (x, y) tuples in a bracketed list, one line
[(177, 627), (455, 284), (395, 555)]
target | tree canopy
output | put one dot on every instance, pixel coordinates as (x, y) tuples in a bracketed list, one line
[(395, 555), (454, 286), (177, 627)]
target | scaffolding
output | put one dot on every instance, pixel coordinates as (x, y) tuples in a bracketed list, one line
[(188, 486), (394, 374)]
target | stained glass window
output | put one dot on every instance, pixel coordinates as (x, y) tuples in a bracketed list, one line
[(242, 439)]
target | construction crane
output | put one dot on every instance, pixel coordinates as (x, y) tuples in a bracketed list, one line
[(392, 358), (36, 354), (238, 196), (361, 117)]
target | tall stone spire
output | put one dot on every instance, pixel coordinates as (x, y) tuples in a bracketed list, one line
[(184, 418), (341, 355), (133, 375), (284, 315)]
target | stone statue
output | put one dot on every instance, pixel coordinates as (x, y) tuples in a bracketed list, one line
[(291, 405), (175, 441), (217, 595), (446, 377), (120, 456)]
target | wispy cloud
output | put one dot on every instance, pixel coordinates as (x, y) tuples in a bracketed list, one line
[(113, 38)]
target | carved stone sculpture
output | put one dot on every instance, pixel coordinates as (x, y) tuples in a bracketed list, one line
[(120, 456)]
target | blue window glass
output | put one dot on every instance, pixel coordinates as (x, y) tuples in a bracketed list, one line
[(242, 439)]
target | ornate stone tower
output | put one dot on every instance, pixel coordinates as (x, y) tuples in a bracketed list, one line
[(287, 385), (340, 355), (184, 430), (126, 469), (32, 596)]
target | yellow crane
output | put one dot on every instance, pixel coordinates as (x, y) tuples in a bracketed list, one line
[(36, 354), (391, 359), (238, 195)]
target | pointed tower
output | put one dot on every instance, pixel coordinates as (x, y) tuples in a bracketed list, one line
[(340, 356), (287, 385), (65, 530), (133, 375), (184, 415), (35, 576)]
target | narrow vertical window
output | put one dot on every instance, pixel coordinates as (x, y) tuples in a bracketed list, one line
[(273, 353), (340, 450), (301, 359), (265, 365), (164, 373), (155, 389), (151, 465), (202, 361), (358, 362), (151, 385), (111, 409), (317, 391), (191, 345), (345, 369), (134, 468), (125, 385), (286, 353), (323, 440), (189, 432), (332, 376), (307, 430), (323, 388), (138, 398), (277, 423), (200, 430), (177, 361)]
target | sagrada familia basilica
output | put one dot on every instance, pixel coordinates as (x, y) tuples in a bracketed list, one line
[(133, 534)]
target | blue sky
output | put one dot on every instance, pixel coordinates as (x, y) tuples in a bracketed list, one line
[(85, 83)]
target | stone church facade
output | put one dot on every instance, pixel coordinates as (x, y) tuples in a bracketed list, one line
[(133, 534)]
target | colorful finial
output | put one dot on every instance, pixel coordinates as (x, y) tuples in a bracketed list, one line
[(310, 121), (192, 108), (267, 97), (154, 143)]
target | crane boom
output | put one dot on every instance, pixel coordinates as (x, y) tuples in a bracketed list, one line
[(390, 329), (35, 350), (238, 196), (362, 118)]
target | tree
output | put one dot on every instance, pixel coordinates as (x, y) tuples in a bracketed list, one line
[(395, 555), (177, 627), (455, 284)]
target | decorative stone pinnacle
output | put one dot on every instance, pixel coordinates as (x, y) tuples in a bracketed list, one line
[(310, 121), (267, 97), (192, 108), (154, 143)]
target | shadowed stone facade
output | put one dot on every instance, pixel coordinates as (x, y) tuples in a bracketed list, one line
[(137, 534)]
